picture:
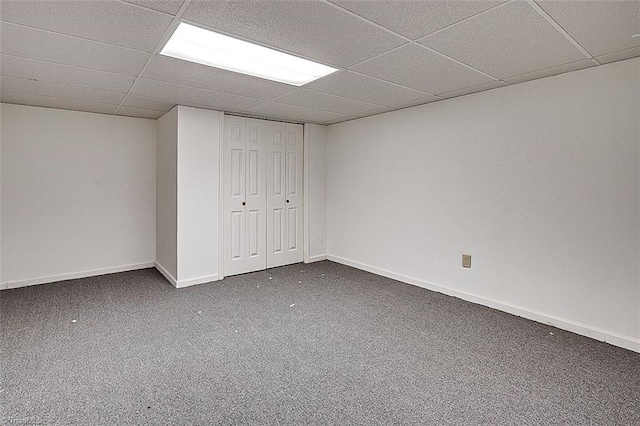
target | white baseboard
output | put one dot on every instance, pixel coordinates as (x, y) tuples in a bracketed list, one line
[(610, 337), (72, 276), (196, 281), (317, 258), (185, 283), (166, 274)]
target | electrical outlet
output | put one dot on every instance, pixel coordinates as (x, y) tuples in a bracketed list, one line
[(466, 260)]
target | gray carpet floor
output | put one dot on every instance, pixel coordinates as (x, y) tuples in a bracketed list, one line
[(302, 344)]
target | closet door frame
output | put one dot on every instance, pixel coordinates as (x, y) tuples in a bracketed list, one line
[(221, 201)]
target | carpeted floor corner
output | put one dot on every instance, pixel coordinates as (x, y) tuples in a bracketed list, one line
[(302, 344)]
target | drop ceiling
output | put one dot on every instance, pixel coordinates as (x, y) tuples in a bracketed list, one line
[(102, 55)]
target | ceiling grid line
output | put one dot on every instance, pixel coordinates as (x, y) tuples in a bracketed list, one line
[(276, 99), (368, 21), (140, 6), (468, 18), (264, 101), (350, 68), (620, 51), (211, 92), (455, 60), (220, 92), (391, 82), (251, 113), (70, 66), (170, 29), (546, 69), (246, 114), (72, 36), (59, 84), (296, 106), (343, 97), (561, 30), (412, 41), (356, 117), (60, 97)]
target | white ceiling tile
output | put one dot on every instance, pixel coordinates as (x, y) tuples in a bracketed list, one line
[(325, 102), (293, 113), (51, 102), (110, 22), (310, 28), (413, 18), (512, 42), (35, 44), (67, 91), (145, 102), (182, 95), (472, 89), (167, 6), (573, 66), (416, 67), (186, 73), (599, 26), (363, 88), (140, 112), (619, 56), (508, 40), (14, 66)]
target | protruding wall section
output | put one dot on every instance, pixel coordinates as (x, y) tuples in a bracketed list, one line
[(188, 187), (167, 195), (198, 177), (315, 192)]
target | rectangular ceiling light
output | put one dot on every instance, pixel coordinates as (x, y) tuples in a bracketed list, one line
[(206, 47)]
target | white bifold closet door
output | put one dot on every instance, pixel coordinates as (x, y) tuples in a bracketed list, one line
[(245, 195), (262, 190), (284, 194)]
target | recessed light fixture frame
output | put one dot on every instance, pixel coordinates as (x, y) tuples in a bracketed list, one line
[(195, 44)]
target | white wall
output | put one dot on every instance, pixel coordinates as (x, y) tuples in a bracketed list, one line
[(315, 187), (540, 182), (78, 194), (198, 194), (167, 193)]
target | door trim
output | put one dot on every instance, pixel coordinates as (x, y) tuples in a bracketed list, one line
[(221, 209), (305, 196)]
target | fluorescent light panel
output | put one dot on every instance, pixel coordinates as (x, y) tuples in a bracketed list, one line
[(195, 44)]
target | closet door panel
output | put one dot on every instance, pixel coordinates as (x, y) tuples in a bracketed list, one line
[(256, 197), (276, 193), (234, 195)]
